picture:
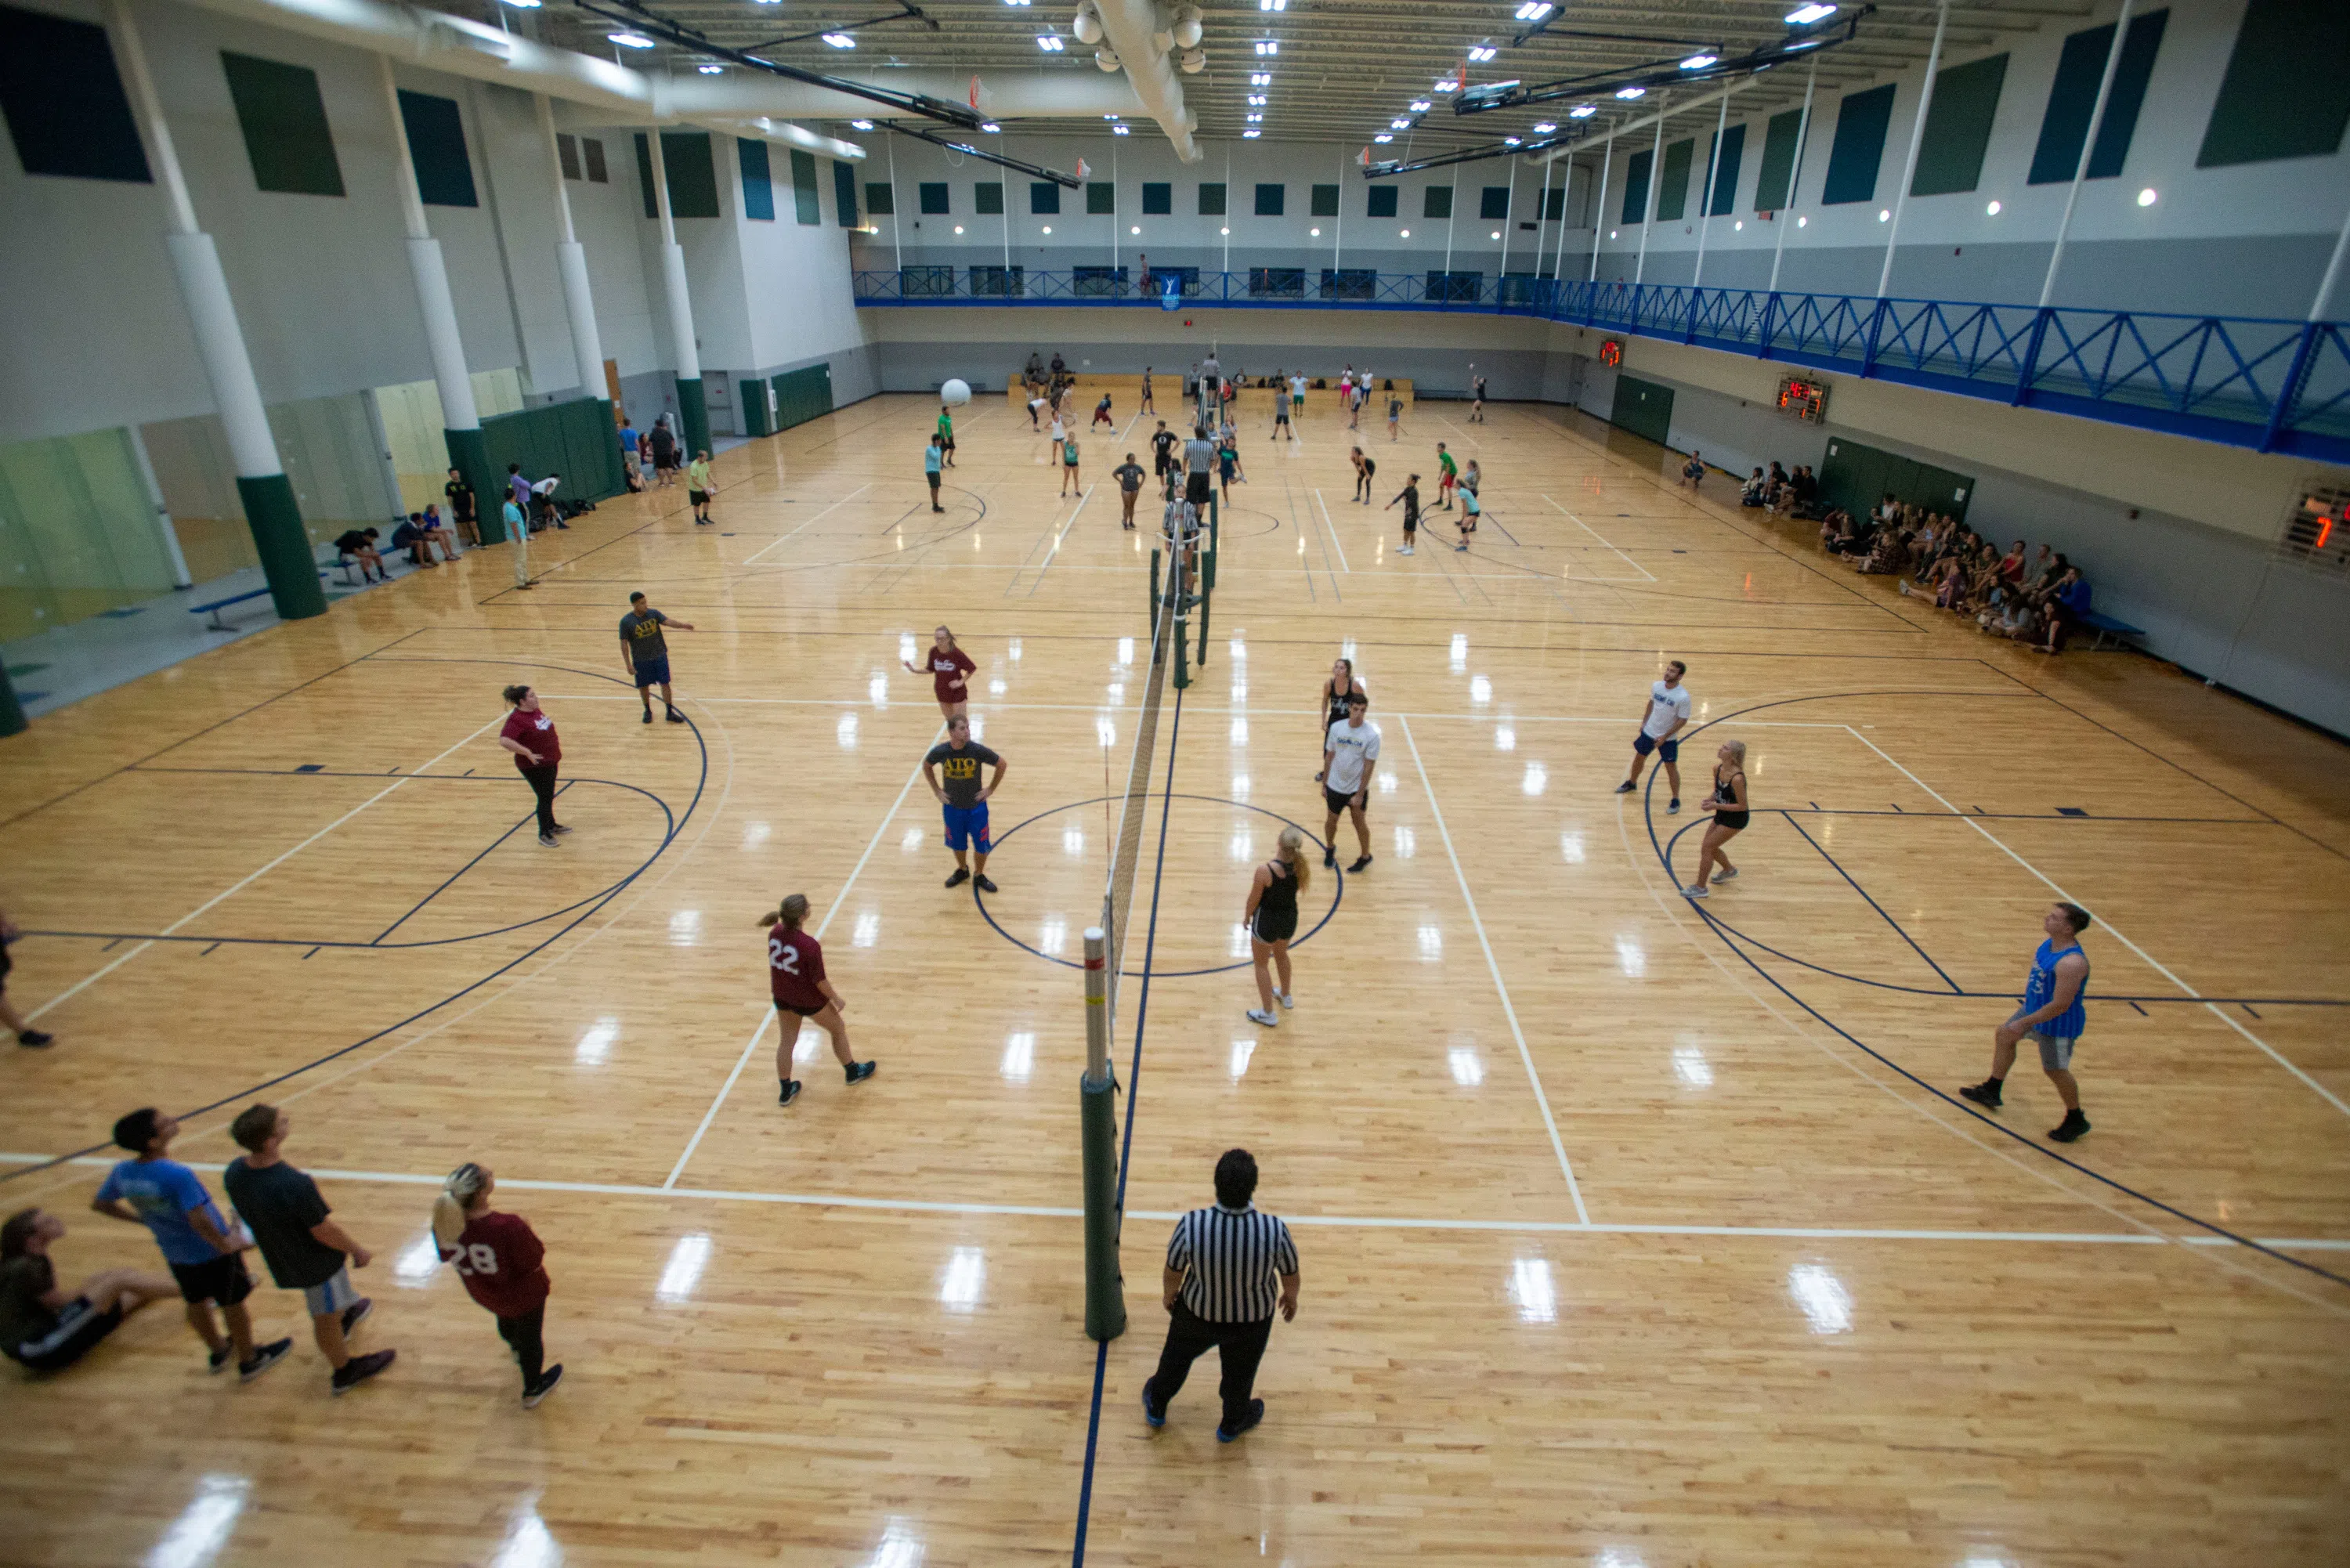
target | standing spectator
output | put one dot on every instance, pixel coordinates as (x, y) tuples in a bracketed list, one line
[(463, 507), (358, 545), (663, 441), (12, 1020), (699, 487), (203, 1250), (1395, 416), (529, 734), (933, 455), (504, 1269), (628, 440), (306, 1249), (519, 534), (42, 1329), (1223, 1266), (1129, 476), (517, 487)]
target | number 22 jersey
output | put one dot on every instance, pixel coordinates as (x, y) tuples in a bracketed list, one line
[(795, 965)]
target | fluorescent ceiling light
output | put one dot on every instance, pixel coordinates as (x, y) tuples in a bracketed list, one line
[(1256, 100), (1248, 136), (1482, 54), (524, 5), (1544, 127), (1268, 46), (1253, 118), (1447, 84), (1382, 136), (1398, 125), (1049, 42), (1583, 111), (1535, 10), (1805, 16), (1016, 2), (1507, 142), (840, 40), (1631, 92), (630, 40), (1272, 5), (991, 127), (861, 124), (710, 70), (1261, 78), (1120, 130), (1698, 62), (1419, 106)]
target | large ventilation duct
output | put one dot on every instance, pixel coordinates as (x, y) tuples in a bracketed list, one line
[(1131, 28)]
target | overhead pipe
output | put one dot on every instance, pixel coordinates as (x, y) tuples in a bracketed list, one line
[(1131, 32)]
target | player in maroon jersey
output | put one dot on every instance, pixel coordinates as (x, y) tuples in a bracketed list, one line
[(948, 666), (499, 1257), (795, 969)]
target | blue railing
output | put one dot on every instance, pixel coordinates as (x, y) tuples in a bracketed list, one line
[(2271, 385)]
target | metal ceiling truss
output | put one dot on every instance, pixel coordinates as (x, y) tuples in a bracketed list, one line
[(1034, 170)]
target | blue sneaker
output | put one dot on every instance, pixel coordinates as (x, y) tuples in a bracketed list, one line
[(1155, 1416), (1233, 1434)]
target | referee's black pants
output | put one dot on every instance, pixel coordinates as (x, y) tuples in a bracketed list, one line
[(1189, 1336)]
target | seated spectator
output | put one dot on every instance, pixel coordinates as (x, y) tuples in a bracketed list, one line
[(1036, 366), (1835, 529), (1888, 555), (358, 545), (410, 536), (550, 514), (2043, 570), (1805, 486), (1060, 366), (1755, 491), (1774, 488), (438, 535), (42, 1328)]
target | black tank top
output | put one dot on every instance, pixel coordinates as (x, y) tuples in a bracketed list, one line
[(1723, 793), (1338, 706), (1280, 897)]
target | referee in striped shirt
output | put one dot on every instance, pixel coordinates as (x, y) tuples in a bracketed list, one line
[(1222, 1269)]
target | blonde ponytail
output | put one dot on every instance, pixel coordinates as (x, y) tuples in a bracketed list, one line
[(457, 1195), (1293, 849), (792, 913)]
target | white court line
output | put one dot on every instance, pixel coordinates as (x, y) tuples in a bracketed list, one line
[(2213, 1008), (1331, 1221), (1493, 964), (1122, 706), (85, 983), (810, 522), (1333, 531), (767, 1015), (1051, 555), (1595, 533)]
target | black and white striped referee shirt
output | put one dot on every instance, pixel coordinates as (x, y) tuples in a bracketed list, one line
[(1231, 1259)]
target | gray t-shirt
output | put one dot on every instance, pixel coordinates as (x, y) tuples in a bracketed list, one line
[(959, 771)]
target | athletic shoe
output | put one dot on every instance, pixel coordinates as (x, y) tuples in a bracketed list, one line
[(649, 715), (356, 1313), (962, 874), (34, 1038), (1695, 892), (788, 1091), (1233, 1434), (1459, 548), (1284, 998), (1267, 1020), (2074, 1124), (1985, 1094), (1406, 550), (1725, 874), (264, 1358), (1330, 859), (1626, 787), (675, 717), (217, 1361), (1358, 865), (532, 1393), (857, 1072), (1674, 808), (359, 1369), (547, 839), (560, 829), (984, 885), (1150, 1412)]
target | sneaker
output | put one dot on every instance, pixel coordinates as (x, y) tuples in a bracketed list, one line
[(34, 1038), (675, 717), (359, 1369), (962, 874), (1985, 1094), (1725, 874), (1358, 865), (217, 1361), (648, 716), (857, 1072), (1694, 892), (547, 839), (787, 1092), (984, 885), (1405, 551), (356, 1313), (1151, 1413), (560, 829), (1626, 787), (1233, 1434), (2074, 1124), (1285, 1000), (532, 1393), (1263, 1019), (264, 1358), (1673, 807), (1463, 546), (1330, 859)]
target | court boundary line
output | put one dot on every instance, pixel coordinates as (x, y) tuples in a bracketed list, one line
[(1493, 966), (1595, 533), (809, 522), (767, 1014)]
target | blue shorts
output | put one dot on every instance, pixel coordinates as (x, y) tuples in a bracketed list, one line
[(653, 672), (1645, 743), (967, 827)]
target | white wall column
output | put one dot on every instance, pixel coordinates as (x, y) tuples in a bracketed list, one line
[(571, 261), (2088, 144), (1655, 197), (1786, 214), (1705, 197), (1916, 138), (1600, 206), (693, 414)]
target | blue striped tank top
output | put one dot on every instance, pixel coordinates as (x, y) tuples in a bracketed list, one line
[(2042, 987)]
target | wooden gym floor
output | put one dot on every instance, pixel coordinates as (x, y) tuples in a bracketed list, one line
[(1634, 1231)]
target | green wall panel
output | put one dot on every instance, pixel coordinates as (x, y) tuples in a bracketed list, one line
[(285, 124), (2284, 94), (2074, 95), (1775, 182), (1436, 202), (1722, 166), (1855, 477), (1958, 127), (1859, 146), (808, 207), (1644, 408), (63, 100), (1636, 187), (692, 176), (987, 197), (844, 194), (758, 180), (436, 150), (1672, 189)]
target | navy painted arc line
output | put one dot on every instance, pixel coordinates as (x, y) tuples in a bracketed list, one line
[(699, 785), (1125, 1144), (449, 881), (1664, 859), (1855, 883)]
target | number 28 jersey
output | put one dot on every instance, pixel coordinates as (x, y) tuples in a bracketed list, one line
[(502, 1262), (795, 965)]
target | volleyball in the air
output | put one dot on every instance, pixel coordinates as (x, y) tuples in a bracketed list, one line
[(954, 394)]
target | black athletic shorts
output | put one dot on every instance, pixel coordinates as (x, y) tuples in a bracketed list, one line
[(79, 1328), (1339, 801), (1274, 928), (222, 1281), (1196, 487), (802, 1011)]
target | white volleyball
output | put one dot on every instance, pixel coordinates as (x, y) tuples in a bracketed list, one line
[(954, 394)]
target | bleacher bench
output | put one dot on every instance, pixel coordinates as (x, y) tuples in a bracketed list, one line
[(214, 608), (2106, 626)]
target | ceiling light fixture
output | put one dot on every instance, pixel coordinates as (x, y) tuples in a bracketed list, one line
[(1446, 83), (840, 40), (1805, 16), (1261, 78), (1583, 111), (630, 40), (1248, 136), (1268, 46), (1631, 92), (1382, 136), (1544, 128), (1421, 106), (1049, 42), (1535, 10), (861, 124), (1508, 142), (524, 5), (1698, 62), (708, 70), (1398, 125), (1481, 54), (1255, 119), (1120, 130), (991, 127), (1256, 99), (1272, 5)]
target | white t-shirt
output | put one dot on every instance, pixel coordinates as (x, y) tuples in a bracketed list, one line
[(1351, 750), (1297, 386), (1666, 704)]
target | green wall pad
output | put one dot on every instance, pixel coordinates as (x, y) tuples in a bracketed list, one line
[(692, 177), (807, 206), (576, 439), (692, 417), (803, 395), (758, 181), (283, 545), (436, 150), (1644, 408), (1775, 185), (1856, 477), (470, 456), (1672, 190)]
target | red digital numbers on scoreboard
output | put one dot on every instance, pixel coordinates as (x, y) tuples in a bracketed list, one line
[(1611, 353), (1804, 398)]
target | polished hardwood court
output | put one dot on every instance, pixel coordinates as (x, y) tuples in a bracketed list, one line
[(1634, 1231)]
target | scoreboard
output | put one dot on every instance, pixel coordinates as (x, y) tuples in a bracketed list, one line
[(1803, 397)]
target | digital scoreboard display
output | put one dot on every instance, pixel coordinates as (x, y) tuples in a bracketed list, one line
[(1802, 396), (1611, 352)]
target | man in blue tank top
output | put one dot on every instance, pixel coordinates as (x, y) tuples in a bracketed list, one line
[(2051, 1017)]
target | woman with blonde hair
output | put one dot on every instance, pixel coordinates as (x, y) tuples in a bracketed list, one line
[(1730, 812), (499, 1257), (948, 666), (1272, 919), (1341, 683), (796, 975)]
